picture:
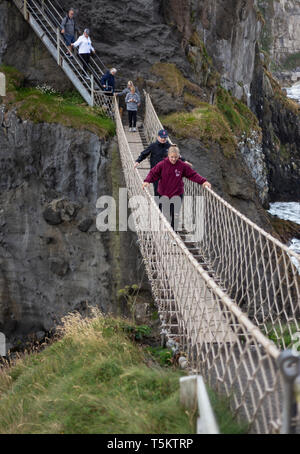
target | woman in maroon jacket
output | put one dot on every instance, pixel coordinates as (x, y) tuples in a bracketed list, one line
[(170, 173)]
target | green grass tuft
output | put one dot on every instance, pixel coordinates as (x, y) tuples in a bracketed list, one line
[(94, 379), (172, 79), (67, 109), (240, 118), (205, 123)]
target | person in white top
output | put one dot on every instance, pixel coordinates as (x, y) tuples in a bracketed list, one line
[(85, 48)]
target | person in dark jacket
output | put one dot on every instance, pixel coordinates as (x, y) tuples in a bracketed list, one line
[(108, 80), (170, 173), (157, 152), (68, 29)]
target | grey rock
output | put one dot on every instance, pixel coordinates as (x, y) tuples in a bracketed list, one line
[(59, 266), (45, 270), (85, 225), (40, 335), (52, 217)]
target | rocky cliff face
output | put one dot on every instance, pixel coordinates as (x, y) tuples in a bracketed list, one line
[(150, 31), (281, 33), (280, 121), (20, 47), (227, 29), (52, 258)]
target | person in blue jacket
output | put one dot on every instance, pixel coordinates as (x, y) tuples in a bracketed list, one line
[(108, 80)]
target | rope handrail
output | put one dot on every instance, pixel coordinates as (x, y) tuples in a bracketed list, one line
[(159, 126), (221, 342), (258, 271), (179, 243)]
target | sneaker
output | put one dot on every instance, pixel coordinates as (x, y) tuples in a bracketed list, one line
[(134, 130), (130, 129)]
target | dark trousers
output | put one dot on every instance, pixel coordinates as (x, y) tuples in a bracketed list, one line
[(132, 117), (171, 209), (155, 186), (85, 60)]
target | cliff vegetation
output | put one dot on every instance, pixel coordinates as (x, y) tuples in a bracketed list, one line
[(223, 122), (44, 105), (97, 379)]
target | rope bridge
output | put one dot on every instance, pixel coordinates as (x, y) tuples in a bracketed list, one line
[(228, 293), (221, 303)]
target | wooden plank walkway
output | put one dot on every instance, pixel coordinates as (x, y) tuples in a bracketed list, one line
[(136, 146), (208, 324)]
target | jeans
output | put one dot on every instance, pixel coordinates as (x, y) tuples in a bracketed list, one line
[(171, 209), (69, 39)]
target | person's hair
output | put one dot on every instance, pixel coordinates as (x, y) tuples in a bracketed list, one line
[(174, 149), (113, 70), (130, 83), (71, 9)]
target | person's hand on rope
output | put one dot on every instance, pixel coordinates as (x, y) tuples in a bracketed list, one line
[(207, 185), (145, 185), (136, 165), (189, 163)]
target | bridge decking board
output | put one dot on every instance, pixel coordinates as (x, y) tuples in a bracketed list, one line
[(209, 325)]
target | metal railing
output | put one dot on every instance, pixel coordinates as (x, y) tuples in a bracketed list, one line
[(45, 21), (221, 342), (96, 65)]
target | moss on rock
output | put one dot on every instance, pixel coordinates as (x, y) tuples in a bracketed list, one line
[(279, 94), (205, 123), (240, 118), (34, 105), (172, 79)]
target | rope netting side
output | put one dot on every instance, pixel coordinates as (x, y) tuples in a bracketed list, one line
[(258, 272), (220, 341)]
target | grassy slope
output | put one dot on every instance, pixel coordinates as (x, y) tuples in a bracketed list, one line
[(95, 379), (68, 110), (223, 123)]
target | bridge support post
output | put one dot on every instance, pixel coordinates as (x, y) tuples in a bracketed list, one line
[(193, 394), (2, 85), (289, 364), (58, 46), (25, 10), (2, 345), (92, 90)]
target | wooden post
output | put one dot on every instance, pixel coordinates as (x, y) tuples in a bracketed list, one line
[(58, 46), (92, 90)]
